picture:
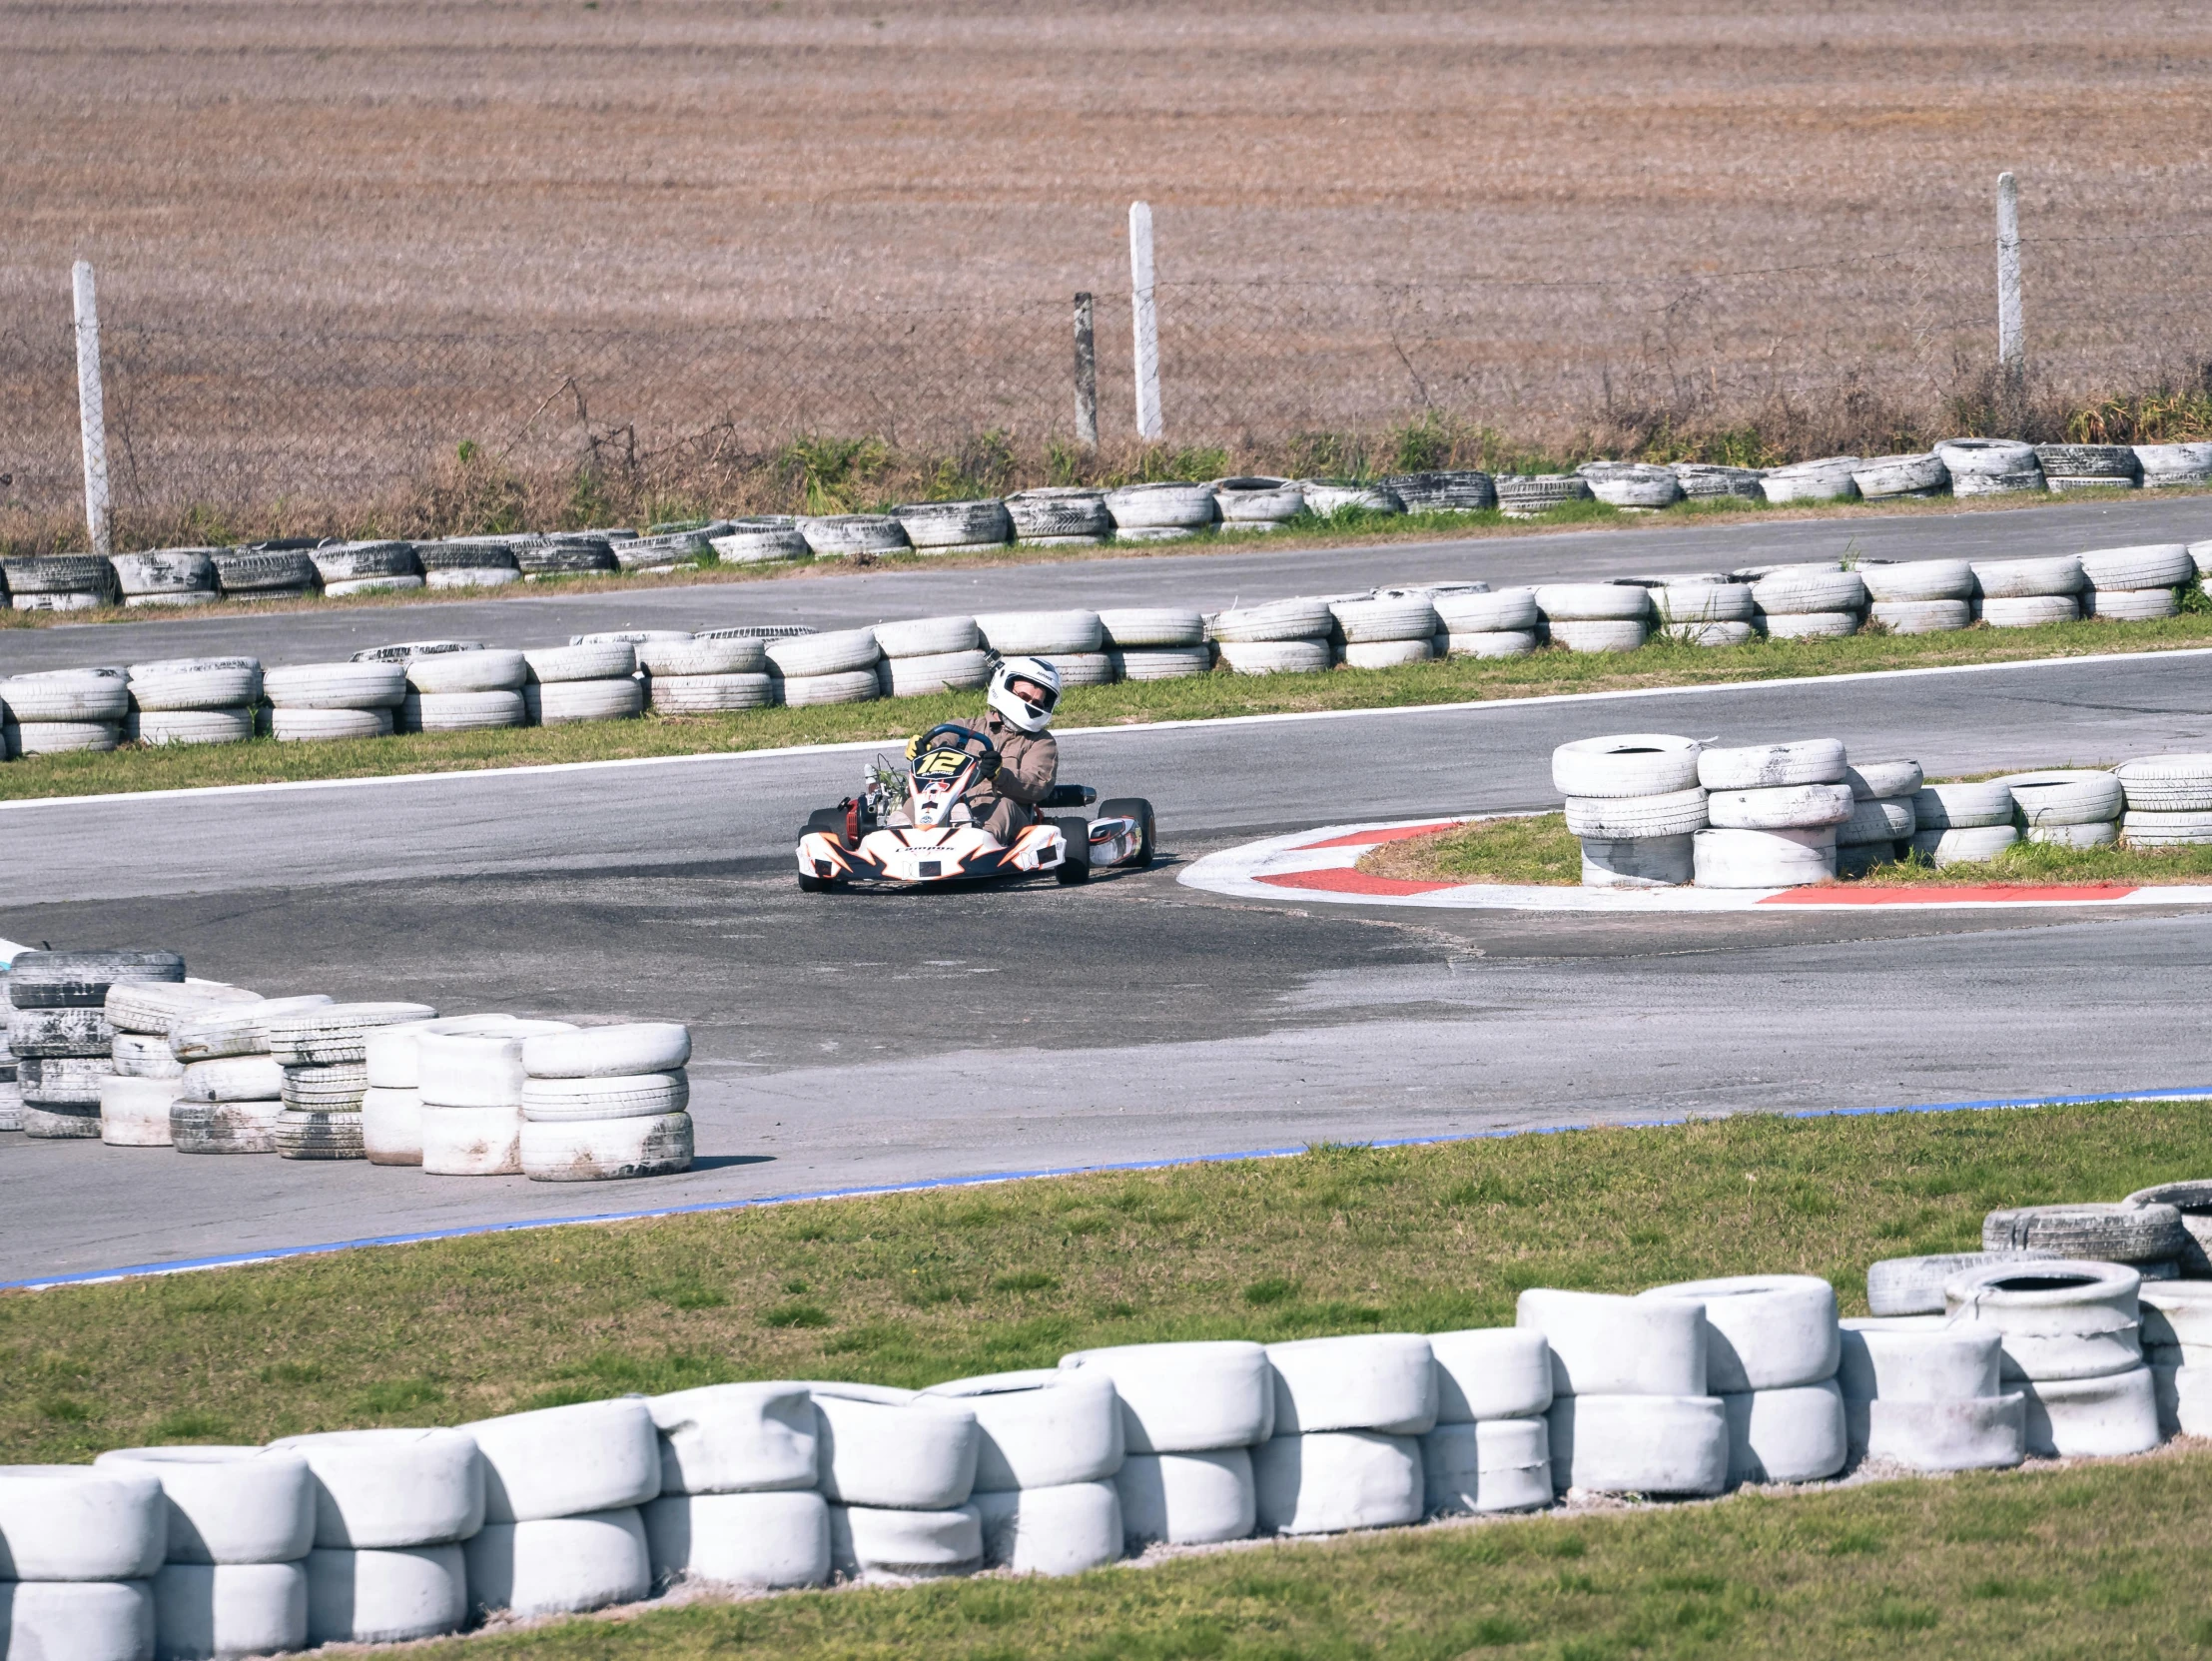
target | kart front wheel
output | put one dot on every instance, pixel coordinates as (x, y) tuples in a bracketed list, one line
[(1137, 808), (1075, 863)]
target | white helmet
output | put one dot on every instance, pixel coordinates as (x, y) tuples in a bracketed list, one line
[(1019, 711)]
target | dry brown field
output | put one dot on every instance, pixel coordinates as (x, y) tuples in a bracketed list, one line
[(334, 240)]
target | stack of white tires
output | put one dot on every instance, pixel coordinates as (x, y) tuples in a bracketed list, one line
[(759, 537), (2074, 807), (2089, 467), (1919, 596), (694, 676), (1918, 1395), (1709, 611), (1059, 516), (240, 1522), (57, 711), (266, 574), (1281, 637), (2169, 800), (942, 527), (323, 1051), (1049, 1445), (2026, 594), (390, 1511), (1345, 1448), (1772, 1350), (2070, 1340), (1885, 478), (1156, 644), (1596, 616), (1258, 503), (1473, 622), (1072, 643), (138, 1099), (1384, 633), (81, 1545), (2164, 465), (838, 666), (230, 1088), (315, 701), (166, 577), (898, 1468), (931, 654), (1491, 1448), (1828, 479), (1161, 513), (1775, 811), (2136, 585), (366, 567), (454, 1109), (1883, 820), (1809, 602), (2177, 1348), (60, 1035), (593, 682), (563, 1529), (466, 565), (1190, 1416), (602, 1102), (193, 700), (463, 691), (739, 1504), (1962, 824), (1449, 490), (1635, 802), (1990, 467), (58, 583), (1630, 1409)]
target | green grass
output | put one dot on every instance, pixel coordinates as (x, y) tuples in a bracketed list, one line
[(1537, 848), (1660, 664), (2044, 863)]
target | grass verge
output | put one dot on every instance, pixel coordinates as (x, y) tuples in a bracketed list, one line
[(1454, 680)]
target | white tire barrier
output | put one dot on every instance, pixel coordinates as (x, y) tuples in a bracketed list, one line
[(391, 1055), (1326, 1482), (559, 1565), (2165, 830), (2132, 605), (2073, 467), (1388, 654), (205, 1611), (564, 1461), (2031, 611), (2181, 1381), (145, 1056), (1763, 1331), (1492, 1465), (331, 686), (759, 1542), (1199, 1499), (812, 691), (893, 1449), (1092, 669), (867, 1543), (761, 537), (2164, 465), (2167, 783), (2045, 578), (2061, 1319), (329, 1034), (1188, 1397), (1626, 765), (1602, 1344), (736, 1438), (83, 1621), (585, 660), (67, 696), (386, 1490), (1062, 1529), (226, 1504), (1810, 626), (1763, 857), (558, 702), (1634, 487), (385, 1596), (1772, 767), (1384, 1383), (1785, 807), (80, 1522), (1658, 1444), (2099, 1417), (1044, 1428), (308, 726), (1795, 1434), (231, 1079)]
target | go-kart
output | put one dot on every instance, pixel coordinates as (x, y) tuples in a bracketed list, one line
[(914, 827)]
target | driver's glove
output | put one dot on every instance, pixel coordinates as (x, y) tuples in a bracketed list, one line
[(913, 746), (988, 765)]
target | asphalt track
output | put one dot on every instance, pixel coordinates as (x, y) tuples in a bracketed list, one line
[(1208, 580), (876, 1039)]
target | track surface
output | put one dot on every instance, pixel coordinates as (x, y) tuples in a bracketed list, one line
[(870, 1039), (1205, 581)]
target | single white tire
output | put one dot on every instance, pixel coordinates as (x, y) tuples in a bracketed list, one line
[(329, 1035), (1782, 807), (1498, 643), (1160, 507), (1922, 616), (1324, 496), (146, 1056), (1365, 622), (392, 1125), (1963, 806), (607, 1052), (1044, 1428), (1160, 662), (2097, 1418), (736, 1438), (318, 726), (1795, 1434), (1594, 602), (1509, 612), (471, 1142), (1062, 515), (1638, 861), (561, 1461), (1703, 603), (2105, 835), (1805, 590), (385, 1596), (1655, 1444), (1828, 479), (2142, 567), (1198, 1498), (384, 1489), (2029, 611), (557, 702), (1625, 766), (1930, 1363), (2067, 797), (1298, 620), (1971, 846), (206, 683), (2167, 783), (948, 526), (559, 1565), (80, 1522), (471, 576), (370, 586), (2132, 605), (2176, 1312), (811, 691), (1090, 668), (134, 1112), (1143, 626), (920, 677), (1388, 654), (928, 637), (1576, 635), (468, 1069), (1763, 1331), (162, 1006), (1763, 857), (393, 1054), (189, 726), (1881, 781), (894, 1450), (2058, 1318), (1188, 1397), (205, 1611), (1877, 822), (1982, 457), (686, 659), (1383, 1382), (67, 696), (1772, 767), (2041, 578), (1810, 626), (80, 1621), (459, 711), (842, 535), (355, 686), (590, 660), (2186, 464), (607, 1150), (77, 1031), (64, 737), (489, 669), (1276, 658), (1041, 633), (1915, 1286), (1064, 1530), (1901, 476), (1326, 1482), (1603, 1344), (1258, 503), (761, 1541), (1976, 1433), (1491, 1373), (1613, 818), (1500, 1464), (2184, 1395), (872, 1544), (232, 1078)]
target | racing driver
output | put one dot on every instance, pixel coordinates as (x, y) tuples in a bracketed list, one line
[(1022, 694)]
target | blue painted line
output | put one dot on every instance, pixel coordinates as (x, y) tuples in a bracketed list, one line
[(281, 1252)]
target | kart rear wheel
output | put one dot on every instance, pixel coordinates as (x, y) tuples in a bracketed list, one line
[(1137, 808), (830, 821), (1075, 864)]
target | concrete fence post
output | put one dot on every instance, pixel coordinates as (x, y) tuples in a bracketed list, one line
[(2012, 346), (1147, 319), (1087, 375), (92, 421)]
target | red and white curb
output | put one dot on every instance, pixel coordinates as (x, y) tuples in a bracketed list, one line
[(1318, 865)]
